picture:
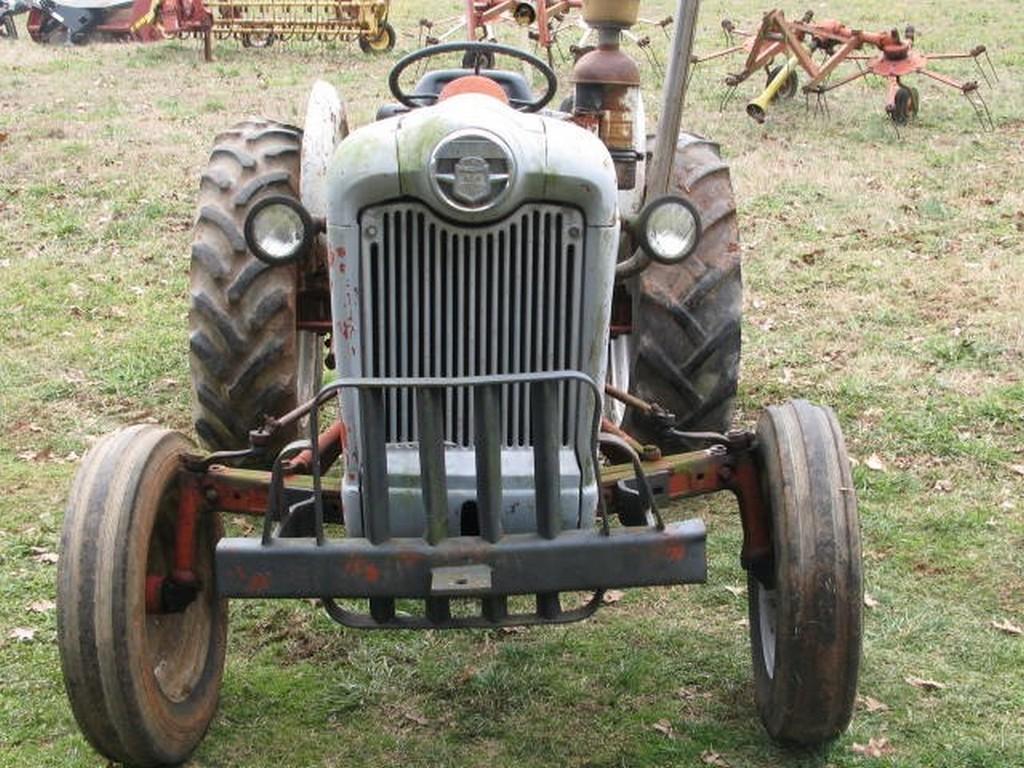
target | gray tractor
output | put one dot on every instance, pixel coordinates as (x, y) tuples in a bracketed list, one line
[(531, 323)]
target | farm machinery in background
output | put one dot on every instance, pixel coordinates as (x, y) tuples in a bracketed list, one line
[(797, 44), (82, 21), (256, 24), (263, 22), (547, 22)]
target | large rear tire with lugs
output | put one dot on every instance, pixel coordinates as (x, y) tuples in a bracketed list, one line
[(143, 685), (247, 358), (685, 345), (805, 622)]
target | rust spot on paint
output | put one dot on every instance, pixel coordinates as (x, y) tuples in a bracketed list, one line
[(675, 552), (362, 569), (258, 582)]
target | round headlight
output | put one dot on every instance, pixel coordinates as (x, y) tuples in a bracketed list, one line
[(278, 230), (669, 229)]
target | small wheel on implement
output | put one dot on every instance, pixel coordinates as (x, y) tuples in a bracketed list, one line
[(791, 86), (256, 40), (805, 626), (143, 685), (904, 108), (382, 42), (478, 60), (8, 29)]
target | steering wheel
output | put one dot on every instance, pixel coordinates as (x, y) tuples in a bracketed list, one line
[(413, 101)]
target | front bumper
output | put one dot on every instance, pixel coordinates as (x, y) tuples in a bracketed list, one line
[(411, 568)]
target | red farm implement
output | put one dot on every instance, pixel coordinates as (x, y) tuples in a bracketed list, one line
[(83, 21), (821, 48), (547, 22)]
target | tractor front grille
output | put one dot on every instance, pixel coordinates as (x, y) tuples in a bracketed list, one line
[(441, 300)]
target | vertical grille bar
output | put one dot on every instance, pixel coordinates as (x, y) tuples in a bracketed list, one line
[(441, 300), (430, 421), (487, 433)]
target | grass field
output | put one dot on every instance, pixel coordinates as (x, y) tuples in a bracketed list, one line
[(885, 277)]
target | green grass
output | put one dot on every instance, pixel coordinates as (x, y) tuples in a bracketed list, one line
[(884, 277)]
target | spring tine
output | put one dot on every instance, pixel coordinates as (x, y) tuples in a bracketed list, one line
[(487, 439), (988, 58), (433, 478), (546, 439), (376, 523), (984, 74)]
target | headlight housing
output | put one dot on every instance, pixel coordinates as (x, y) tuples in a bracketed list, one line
[(668, 229), (278, 230)]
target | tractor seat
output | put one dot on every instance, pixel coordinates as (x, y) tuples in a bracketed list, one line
[(432, 83)]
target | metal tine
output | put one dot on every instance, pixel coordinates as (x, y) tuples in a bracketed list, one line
[(433, 478), (487, 440), (546, 440)]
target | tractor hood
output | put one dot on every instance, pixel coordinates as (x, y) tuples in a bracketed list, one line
[(475, 160)]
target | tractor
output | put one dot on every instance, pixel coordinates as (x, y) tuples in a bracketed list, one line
[(456, 363)]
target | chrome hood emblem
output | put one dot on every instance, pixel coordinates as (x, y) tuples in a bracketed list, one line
[(471, 169)]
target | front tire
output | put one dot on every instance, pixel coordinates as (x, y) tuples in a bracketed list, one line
[(143, 687), (805, 629), (685, 345), (247, 358)]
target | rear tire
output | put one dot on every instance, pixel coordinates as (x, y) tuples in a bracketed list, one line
[(685, 344), (143, 687), (805, 632), (247, 359)]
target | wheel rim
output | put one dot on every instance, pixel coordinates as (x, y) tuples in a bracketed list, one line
[(177, 644), (380, 42), (767, 617)]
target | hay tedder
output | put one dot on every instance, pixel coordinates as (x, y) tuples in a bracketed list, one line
[(546, 22), (261, 23), (798, 43), (533, 316)]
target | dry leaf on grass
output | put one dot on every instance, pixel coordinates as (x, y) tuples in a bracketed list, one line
[(1008, 627), (1018, 468), (943, 486), (925, 685), (710, 757), (42, 606), (612, 596), (664, 727), (874, 462), (869, 704), (22, 634), (870, 601), (42, 555), (418, 719), (736, 591), (874, 748)]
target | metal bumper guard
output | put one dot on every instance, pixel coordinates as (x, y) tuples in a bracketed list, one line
[(437, 568)]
